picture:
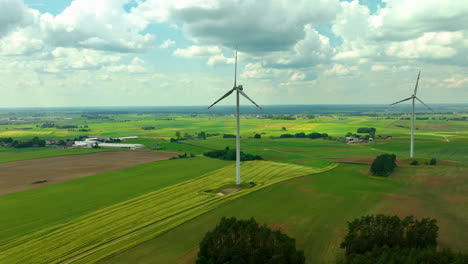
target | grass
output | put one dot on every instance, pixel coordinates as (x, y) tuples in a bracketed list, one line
[(13, 154), (433, 191), (312, 209), (63, 241), (28, 211), (315, 209)]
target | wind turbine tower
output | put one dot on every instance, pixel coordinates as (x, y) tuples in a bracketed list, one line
[(413, 97), (239, 90)]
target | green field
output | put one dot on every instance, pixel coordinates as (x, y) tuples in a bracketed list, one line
[(165, 204), (63, 241), (323, 203), (12, 154), (37, 208)]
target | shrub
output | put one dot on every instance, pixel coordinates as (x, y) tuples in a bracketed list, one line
[(414, 162), (229, 136), (245, 241), (286, 136), (433, 161), (258, 136), (383, 165)]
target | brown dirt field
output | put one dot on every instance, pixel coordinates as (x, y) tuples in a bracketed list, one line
[(365, 160), (396, 197), (20, 175), (456, 198), (435, 181)]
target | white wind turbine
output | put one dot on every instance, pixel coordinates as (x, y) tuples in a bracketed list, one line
[(412, 117), (239, 90)]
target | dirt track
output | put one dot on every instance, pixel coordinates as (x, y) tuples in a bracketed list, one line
[(20, 175)]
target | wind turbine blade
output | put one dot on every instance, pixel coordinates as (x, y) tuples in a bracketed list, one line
[(417, 81), (248, 98), (424, 104), (224, 96), (402, 100), (235, 71)]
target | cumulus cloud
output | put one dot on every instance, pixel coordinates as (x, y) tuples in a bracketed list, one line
[(220, 59), (341, 70), (297, 76), (313, 49), (197, 51), (13, 14), (167, 43), (135, 66), (232, 23), (100, 25), (402, 20)]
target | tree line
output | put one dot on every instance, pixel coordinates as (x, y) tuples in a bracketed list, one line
[(230, 154), (312, 135)]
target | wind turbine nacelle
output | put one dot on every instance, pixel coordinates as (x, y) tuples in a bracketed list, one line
[(239, 87)]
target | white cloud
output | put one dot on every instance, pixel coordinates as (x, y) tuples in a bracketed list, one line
[(297, 76), (341, 70), (429, 45), (167, 43), (403, 20), (135, 66), (378, 68), (457, 81), (197, 51), (99, 25), (220, 59)]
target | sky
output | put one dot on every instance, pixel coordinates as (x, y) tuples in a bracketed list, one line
[(59, 53)]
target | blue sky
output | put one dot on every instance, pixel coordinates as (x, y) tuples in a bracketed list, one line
[(156, 52)]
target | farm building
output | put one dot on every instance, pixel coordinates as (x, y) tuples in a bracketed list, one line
[(88, 143)]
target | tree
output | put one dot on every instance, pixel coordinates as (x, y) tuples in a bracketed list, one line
[(300, 135), (283, 129), (177, 134), (258, 136), (377, 231), (383, 165), (245, 241), (230, 154), (433, 161), (202, 135)]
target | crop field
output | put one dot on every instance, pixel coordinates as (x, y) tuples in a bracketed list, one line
[(323, 203), (29, 211), (50, 245), (64, 168), (124, 211), (9, 154)]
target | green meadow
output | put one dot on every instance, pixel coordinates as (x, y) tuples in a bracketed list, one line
[(158, 212)]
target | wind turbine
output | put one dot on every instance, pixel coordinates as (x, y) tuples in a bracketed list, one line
[(239, 90), (413, 97)]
